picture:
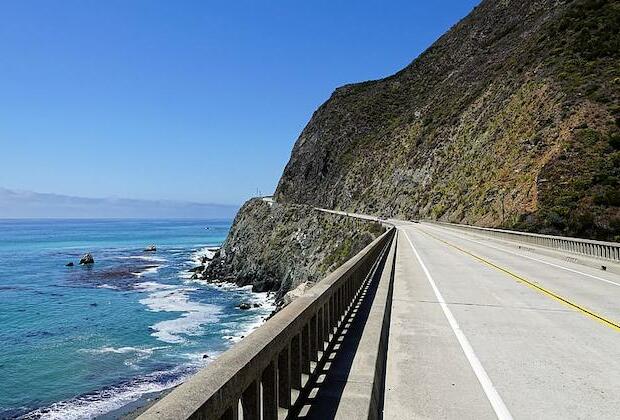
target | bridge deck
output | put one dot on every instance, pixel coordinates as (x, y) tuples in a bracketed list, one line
[(479, 329)]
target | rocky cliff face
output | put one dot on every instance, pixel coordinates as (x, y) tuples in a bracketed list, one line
[(509, 119), (276, 247)]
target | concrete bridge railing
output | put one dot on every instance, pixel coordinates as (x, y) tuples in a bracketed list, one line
[(261, 376), (609, 251)]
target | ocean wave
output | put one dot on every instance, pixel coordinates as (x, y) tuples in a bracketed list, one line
[(143, 258), (169, 298), (97, 403), (198, 255), (124, 350), (148, 270)]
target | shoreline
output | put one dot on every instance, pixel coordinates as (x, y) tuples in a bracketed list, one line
[(129, 409)]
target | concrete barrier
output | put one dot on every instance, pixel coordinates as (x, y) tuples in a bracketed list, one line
[(259, 376), (609, 251)]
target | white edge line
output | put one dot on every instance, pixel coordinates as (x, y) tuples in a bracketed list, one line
[(489, 389), (536, 259)]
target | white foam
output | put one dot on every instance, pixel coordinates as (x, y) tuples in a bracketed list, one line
[(150, 270), (197, 256), (143, 257), (107, 286), (124, 350), (104, 401), (168, 298)]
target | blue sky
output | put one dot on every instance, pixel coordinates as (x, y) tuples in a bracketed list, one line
[(192, 100)]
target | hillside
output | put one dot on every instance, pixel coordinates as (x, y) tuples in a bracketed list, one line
[(510, 119), (276, 247)]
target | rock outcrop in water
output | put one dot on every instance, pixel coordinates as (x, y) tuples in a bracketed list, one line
[(87, 259), (276, 247)]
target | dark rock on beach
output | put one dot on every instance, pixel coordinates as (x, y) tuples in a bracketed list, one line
[(87, 259)]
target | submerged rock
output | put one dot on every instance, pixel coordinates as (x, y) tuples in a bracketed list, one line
[(87, 259)]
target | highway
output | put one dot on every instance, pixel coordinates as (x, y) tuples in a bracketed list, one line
[(480, 329)]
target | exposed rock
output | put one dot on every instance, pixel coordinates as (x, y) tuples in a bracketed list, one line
[(294, 294), (518, 91), (205, 356), (87, 259), (257, 305), (150, 248), (69, 264), (276, 247), (244, 306), (199, 268)]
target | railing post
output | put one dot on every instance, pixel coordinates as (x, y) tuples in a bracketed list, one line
[(332, 313), (305, 349), (296, 362), (250, 401), (284, 378), (319, 329), (232, 413), (314, 338), (326, 322), (270, 392)]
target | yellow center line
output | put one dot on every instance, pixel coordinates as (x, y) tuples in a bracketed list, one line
[(612, 324)]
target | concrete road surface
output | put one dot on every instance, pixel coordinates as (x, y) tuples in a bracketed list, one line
[(482, 330)]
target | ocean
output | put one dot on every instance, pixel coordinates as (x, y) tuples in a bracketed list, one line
[(83, 341)]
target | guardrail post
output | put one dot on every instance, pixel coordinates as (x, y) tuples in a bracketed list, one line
[(314, 338), (250, 401), (305, 349), (319, 329), (326, 322), (296, 362), (284, 378), (270, 392), (232, 413)]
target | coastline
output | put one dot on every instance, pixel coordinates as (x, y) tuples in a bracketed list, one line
[(130, 327), (133, 409)]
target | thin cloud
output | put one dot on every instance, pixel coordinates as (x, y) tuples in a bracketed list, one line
[(29, 204)]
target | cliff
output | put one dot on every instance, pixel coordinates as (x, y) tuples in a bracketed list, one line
[(510, 119), (276, 247)]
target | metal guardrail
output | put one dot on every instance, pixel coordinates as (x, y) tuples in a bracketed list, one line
[(258, 376), (598, 249)]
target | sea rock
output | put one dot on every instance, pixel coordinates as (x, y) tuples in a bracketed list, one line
[(69, 264), (245, 306), (200, 268), (150, 248), (87, 259), (257, 305)]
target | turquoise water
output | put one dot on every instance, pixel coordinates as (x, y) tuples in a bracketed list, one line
[(78, 342)]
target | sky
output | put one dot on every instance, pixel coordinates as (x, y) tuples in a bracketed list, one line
[(195, 101)]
